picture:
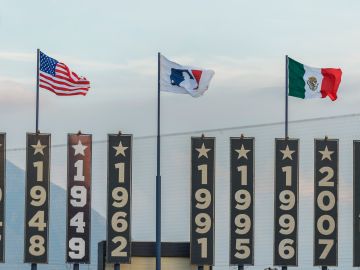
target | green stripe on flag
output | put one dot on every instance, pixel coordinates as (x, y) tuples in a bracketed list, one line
[(296, 79)]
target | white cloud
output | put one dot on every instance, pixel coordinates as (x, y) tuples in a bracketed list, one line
[(145, 66), (15, 94), (17, 56)]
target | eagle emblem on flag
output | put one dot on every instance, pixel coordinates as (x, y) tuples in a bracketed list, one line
[(312, 83)]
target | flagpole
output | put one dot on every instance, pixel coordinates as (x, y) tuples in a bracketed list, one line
[(286, 108), (37, 91), (34, 265), (286, 96), (158, 181)]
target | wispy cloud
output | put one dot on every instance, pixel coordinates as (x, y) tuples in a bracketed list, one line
[(145, 66), (141, 66), (17, 56), (15, 94)]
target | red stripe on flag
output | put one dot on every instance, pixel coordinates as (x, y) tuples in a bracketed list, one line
[(75, 75), (68, 71), (63, 81), (63, 88), (63, 94), (330, 83), (72, 81)]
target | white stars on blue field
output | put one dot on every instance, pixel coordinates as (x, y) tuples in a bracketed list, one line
[(47, 64)]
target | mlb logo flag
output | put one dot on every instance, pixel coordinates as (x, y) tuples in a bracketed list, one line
[(183, 79)]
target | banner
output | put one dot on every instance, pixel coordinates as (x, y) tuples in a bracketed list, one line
[(37, 198), (326, 203), (356, 210), (78, 199), (118, 244), (2, 194), (286, 202), (242, 184), (202, 200)]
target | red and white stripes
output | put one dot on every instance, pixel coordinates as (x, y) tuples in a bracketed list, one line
[(64, 83)]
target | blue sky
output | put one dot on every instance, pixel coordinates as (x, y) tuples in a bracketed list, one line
[(114, 44)]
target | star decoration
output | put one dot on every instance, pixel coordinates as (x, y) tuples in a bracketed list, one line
[(79, 148), (39, 148), (203, 151), (287, 153), (326, 154), (120, 149), (242, 152)]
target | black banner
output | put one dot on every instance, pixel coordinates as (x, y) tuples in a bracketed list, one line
[(326, 202), (118, 244), (242, 175), (37, 198), (356, 208), (2, 194), (286, 202), (202, 200), (78, 199)]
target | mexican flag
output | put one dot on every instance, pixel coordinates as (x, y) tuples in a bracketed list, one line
[(308, 82)]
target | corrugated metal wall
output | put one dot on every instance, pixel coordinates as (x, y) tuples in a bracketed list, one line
[(176, 192)]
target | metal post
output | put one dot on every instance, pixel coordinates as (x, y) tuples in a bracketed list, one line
[(37, 91), (101, 255), (283, 267), (116, 266), (240, 267), (33, 266), (200, 267), (286, 95), (324, 268), (76, 266), (158, 182)]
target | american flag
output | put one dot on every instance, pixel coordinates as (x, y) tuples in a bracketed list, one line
[(59, 79)]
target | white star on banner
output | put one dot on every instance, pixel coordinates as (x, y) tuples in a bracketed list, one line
[(79, 148), (38, 148), (242, 152), (287, 153), (120, 149), (203, 151), (326, 154)]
